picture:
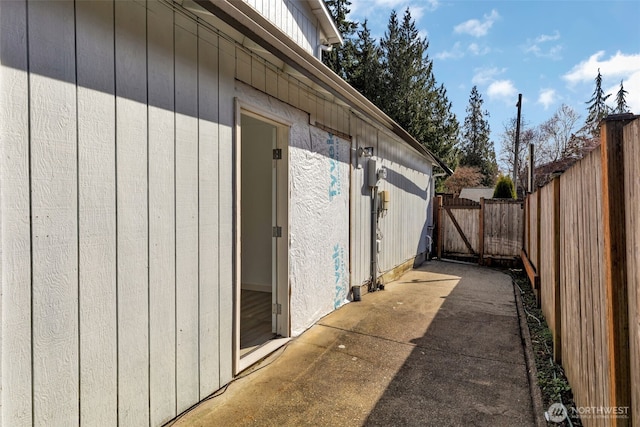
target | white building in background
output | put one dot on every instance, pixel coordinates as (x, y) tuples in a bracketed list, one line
[(164, 162)]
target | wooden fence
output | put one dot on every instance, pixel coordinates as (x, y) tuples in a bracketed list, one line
[(582, 254), (483, 232)]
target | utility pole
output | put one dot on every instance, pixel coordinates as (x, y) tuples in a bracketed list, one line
[(517, 143)]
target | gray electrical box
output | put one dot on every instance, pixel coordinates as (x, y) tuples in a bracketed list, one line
[(372, 173)]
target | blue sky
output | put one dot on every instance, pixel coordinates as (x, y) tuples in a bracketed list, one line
[(549, 51)]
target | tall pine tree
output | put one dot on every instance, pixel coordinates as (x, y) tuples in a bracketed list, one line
[(366, 71), (598, 108), (621, 101), (340, 58), (410, 94), (476, 147)]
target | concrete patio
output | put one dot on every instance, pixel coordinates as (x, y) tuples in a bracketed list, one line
[(441, 346)]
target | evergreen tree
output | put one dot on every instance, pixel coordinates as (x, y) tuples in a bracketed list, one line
[(410, 94), (476, 148), (621, 101), (366, 72), (340, 58), (598, 108), (504, 188)]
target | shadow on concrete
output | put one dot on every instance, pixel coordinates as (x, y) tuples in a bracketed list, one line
[(439, 347), (468, 368)]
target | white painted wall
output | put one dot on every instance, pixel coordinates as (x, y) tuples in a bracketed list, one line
[(117, 207), (116, 212), (294, 18), (406, 225)]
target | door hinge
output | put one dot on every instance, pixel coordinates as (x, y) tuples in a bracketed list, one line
[(277, 231), (277, 153), (276, 309)]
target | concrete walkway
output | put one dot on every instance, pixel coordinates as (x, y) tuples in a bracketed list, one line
[(439, 347)]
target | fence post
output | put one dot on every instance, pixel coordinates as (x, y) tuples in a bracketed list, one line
[(557, 309), (538, 288), (481, 233), (613, 209), (439, 230)]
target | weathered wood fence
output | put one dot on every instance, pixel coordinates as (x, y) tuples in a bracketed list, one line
[(582, 254), (489, 230)]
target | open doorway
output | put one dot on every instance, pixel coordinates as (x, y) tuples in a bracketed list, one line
[(262, 289)]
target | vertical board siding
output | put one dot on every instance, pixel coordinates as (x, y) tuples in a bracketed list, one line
[(162, 243), (97, 213), (208, 213), (15, 234), (226, 187), (186, 122), (118, 162), (132, 213), (54, 212), (632, 214), (365, 136)]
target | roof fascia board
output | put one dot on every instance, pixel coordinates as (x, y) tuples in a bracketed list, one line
[(319, 9), (250, 22)]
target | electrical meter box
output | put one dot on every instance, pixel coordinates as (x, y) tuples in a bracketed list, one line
[(372, 173)]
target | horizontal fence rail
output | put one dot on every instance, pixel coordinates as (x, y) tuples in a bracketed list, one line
[(582, 255)]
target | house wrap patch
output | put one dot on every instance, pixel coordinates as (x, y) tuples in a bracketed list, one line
[(318, 213), (319, 226)]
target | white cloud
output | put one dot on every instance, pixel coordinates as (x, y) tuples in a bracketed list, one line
[(547, 97), (417, 7), (454, 53), (478, 50), (486, 75), (625, 67), (632, 86), (548, 37), (618, 66), (539, 46), (477, 28), (502, 90)]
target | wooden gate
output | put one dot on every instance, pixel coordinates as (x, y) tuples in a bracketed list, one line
[(479, 231)]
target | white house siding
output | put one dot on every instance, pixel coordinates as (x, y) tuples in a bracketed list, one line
[(406, 225), (117, 207), (116, 211), (293, 18)]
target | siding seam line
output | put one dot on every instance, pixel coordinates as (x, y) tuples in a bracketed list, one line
[(75, 51), (146, 33), (28, 66), (175, 222), (115, 167)]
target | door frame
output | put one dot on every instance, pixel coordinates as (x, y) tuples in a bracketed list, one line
[(283, 127)]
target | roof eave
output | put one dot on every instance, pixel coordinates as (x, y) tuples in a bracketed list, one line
[(250, 22), (329, 27)]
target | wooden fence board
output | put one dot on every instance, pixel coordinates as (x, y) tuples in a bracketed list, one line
[(584, 296), (503, 225), (467, 220), (632, 214), (498, 236), (613, 215)]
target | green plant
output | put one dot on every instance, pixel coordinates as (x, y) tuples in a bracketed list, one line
[(504, 188)]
